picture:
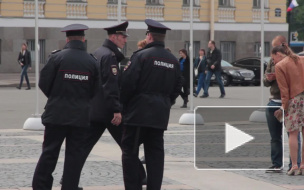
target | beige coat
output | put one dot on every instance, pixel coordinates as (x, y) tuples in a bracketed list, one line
[(290, 78)]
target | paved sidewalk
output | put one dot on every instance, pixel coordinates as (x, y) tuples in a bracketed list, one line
[(20, 151), (13, 79)]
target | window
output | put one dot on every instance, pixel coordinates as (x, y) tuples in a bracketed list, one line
[(153, 2), (228, 51), (226, 3), (196, 48), (31, 48), (77, 1), (113, 1), (257, 3), (257, 49), (187, 2)]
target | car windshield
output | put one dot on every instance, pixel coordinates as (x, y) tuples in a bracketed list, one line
[(225, 64)]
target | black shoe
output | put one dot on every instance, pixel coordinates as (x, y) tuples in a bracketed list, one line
[(194, 94), (28, 89), (204, 96), (143, 160), (184, 106), (78, 188), (18, 87), (144, 181), (222, 96), (274, 169)]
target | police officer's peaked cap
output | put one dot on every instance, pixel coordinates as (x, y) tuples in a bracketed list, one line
[(118, 29), (75, 29), (156, 27)]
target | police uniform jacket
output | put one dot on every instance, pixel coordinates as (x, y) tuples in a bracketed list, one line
[(106, 101), (214, 58), (69, 80), (150, 83)]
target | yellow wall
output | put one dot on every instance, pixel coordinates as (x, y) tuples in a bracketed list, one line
[(97, 9), (12, 8), (55, 9)]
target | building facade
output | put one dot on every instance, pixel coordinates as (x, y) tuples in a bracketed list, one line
[(233, 24)]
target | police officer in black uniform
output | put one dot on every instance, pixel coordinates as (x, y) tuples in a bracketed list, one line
[(106, 106), (69, 81), (150, 84)]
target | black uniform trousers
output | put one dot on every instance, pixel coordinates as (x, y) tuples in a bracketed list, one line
[(153, 140), (53, 139), (95, 132)]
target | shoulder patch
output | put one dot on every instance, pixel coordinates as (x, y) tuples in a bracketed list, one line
[(114, 70), (127, 66), (93, 57), (56, 51)]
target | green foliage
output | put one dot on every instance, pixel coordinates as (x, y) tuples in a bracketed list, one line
[(297, 20)]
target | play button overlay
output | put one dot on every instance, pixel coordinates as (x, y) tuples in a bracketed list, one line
[(229, 141), (235, 138)]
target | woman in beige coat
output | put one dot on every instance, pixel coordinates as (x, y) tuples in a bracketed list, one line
[(289, 71)]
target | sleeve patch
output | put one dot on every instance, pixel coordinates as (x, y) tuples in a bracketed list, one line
[(56, 51), (114, 70), (128, 65), (93, 56)]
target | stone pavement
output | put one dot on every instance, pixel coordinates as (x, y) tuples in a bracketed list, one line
[(20, 150)]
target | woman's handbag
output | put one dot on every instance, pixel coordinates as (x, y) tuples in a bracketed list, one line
[(196, 69)]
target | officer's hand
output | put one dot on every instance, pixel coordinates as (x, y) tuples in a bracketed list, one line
[(212, 66), (116, 119), (21, 64)]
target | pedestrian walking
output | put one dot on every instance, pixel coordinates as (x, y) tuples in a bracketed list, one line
[(24, 60), (150, 85), (214, 58), (200, 67), (289, 71), (106, 108), (184, 62), (69, 80)]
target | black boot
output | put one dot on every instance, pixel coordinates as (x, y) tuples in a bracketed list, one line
[(185, 103)]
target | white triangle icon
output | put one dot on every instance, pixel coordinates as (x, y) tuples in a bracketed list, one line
[(235, 138)]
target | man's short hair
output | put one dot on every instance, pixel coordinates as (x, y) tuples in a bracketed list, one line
[(157, 37), (75, 37), (213, 42)]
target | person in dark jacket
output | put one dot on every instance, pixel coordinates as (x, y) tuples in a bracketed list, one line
[(24, 59), (184, 62), (200, 65), (106, 106), (69, 81), (214, 58), (150, 85)]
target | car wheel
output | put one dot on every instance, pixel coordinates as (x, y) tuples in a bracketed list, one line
[(226, 80)]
